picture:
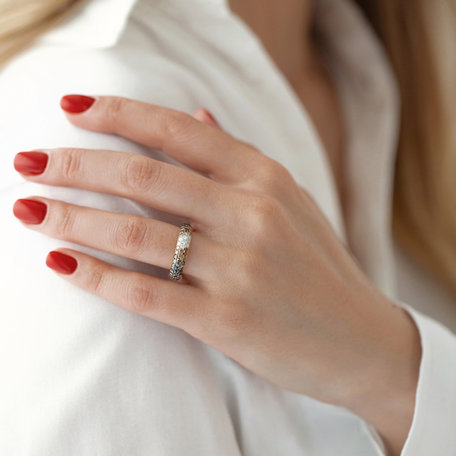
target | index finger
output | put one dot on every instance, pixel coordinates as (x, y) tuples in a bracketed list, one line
[(189, 141)]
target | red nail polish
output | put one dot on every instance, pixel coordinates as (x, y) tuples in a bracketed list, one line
[(76, 103), (30, 162), (29, 211), (211, 117), (60, 262)]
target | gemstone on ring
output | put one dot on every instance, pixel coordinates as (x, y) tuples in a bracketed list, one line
[(180, 254)]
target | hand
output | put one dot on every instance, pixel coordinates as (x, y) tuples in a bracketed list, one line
[(268, 282)]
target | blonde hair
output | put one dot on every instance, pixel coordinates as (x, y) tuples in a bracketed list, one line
[(418, 36), (21, 21)]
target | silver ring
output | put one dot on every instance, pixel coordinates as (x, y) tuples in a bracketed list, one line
[(180, 254)]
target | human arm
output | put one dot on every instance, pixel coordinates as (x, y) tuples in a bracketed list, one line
[(320, 353), (432, 430)]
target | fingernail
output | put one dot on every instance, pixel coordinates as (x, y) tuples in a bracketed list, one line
[(30, 162), (29, 211), (211, 117), (60, 262), (76, 103)]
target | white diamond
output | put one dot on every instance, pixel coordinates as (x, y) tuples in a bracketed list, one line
[(183, 240)]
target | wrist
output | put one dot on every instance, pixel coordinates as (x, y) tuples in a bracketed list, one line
[(386, 399)]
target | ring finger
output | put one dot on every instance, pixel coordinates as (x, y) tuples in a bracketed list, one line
[(132, 236)]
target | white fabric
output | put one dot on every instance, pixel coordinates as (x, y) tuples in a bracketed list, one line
[(82, 376)]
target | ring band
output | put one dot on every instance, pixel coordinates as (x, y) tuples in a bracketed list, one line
[(180, 254)]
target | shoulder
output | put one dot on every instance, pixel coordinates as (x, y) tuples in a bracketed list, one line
[(95, 24), (92, 39), (122, 61), (117, 58), (102, 48)]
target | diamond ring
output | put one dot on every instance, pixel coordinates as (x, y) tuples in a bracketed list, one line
[(180, 254)]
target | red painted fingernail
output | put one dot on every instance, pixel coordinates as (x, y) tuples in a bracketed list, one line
[(60, 262), (30, 162), (211, 117), (76, 103), (29, 211)]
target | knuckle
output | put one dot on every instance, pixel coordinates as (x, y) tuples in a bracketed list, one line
[(65, 222), (141, 174), (262, 211), (248, 148), (177, 123), (114, 109), (140, 296), (273, 168), (96, 280), (131, 235), (271, 174), (70, 164)]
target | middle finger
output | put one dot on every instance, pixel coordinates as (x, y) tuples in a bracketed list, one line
[(160, 185)]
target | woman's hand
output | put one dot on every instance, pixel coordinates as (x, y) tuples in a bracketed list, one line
[(268, 282)]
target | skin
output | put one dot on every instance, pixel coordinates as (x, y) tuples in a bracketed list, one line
[(267, 281)]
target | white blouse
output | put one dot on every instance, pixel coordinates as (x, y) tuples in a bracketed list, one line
[(82, 376)]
